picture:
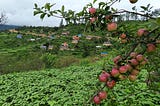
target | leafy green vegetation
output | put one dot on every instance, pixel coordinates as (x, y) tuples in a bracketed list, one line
[(69, 77), (79, 64), (70, 86)]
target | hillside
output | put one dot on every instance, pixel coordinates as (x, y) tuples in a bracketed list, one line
[(66, 73), (27, 52), (6, 27)]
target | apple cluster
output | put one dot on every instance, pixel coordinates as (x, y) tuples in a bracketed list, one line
[(128, 69), (150, 46), (92, 11), (94, 18), (99, 97), (124, 68), (123, 38)]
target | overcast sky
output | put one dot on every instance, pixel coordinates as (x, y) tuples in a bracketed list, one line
[(20, 12)]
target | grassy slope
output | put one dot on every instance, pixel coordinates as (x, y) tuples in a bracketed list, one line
[(71, 86)]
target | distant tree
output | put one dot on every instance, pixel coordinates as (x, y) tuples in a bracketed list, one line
[(3, 18), (156, 12), (147, 10)]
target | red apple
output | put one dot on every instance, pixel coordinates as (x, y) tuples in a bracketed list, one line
[(92, 20), (103, 77), (123, 40), (116, 59), (129, 67), (132, 77), (111, 84), (133, 1), (134, 62), (97, 100), (115, 72), (122, 77), (112, 26), (102, 95), (151, 47), (142, 32), (92, 10), (146, 32), (106, 74), (144, 61), (123, 36), (133, 54), (108, 17), (123, 69), (139, 57), (135, 72)]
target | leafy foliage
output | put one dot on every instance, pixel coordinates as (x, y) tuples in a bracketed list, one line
[(75, 84), (70, 86)]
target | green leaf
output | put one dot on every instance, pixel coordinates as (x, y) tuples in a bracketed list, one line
[(107, 8), (36, 12), (58, 11), (158, 21), (51, 103), (47, 6), (48, 15), (134, 8), (53, 12), (35, 5), (144, 8), (89, 5), (42, 15), (94, 1), (101, 4), (62, 9), (52, 4), (113, 9)]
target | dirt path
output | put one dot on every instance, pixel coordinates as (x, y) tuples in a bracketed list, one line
[(30, 33)]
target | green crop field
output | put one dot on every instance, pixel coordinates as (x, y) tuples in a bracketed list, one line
[(70, 87)]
